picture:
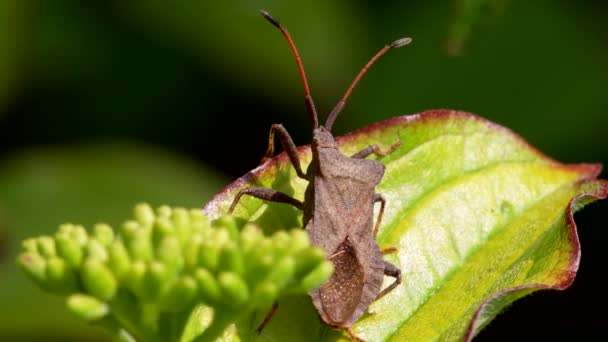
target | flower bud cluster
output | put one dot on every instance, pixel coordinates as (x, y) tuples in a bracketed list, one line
[(168, 261)]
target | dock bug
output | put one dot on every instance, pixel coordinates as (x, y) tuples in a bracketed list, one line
[(338, 209)]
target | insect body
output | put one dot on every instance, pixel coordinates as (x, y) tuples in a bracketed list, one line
[(338, 209)]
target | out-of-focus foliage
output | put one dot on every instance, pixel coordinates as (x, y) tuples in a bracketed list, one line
[(165, 272), (207, 78), (42, 188), (11, 26), (467, 15)]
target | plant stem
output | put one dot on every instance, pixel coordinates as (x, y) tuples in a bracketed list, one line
[(216, 328)]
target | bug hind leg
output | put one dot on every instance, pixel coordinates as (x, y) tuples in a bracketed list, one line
[(391, 271)]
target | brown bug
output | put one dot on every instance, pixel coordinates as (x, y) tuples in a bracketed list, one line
[(338, 209)]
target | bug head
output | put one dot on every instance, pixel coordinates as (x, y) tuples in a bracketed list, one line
[(322, 137)]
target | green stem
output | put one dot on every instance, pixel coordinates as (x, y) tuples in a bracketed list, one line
[(216, 328), (172, 325), (127, 313), (111, 324)]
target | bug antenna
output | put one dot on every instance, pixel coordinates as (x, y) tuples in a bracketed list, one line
[(310, 106), (340, 105)]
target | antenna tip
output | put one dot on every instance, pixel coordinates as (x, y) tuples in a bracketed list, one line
[(271, 19), (400, 42)]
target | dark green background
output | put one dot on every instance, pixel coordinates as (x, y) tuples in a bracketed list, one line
[(107, 103)]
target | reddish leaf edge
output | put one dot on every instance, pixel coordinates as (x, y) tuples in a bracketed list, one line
[(567, 277), (213, 207)]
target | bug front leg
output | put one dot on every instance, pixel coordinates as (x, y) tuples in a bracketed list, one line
[(288, 145), (267, 195), (375, 149)]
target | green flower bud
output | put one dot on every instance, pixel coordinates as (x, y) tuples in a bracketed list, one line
[(259, 260), (265, 294), (46, 246), (282, 272), (118, 259), (135, 277), (144, 215), (209, 254), (103, 233), (262, 249), (169, 252), (198, 220), (163, 227), (60, 277), (154, 281), (128, 231), (140, 246), (281, 243), (229, 224), (94, 249), (258, 271), (209, 289), (69, 250), (250, 236), (164, 211), (306, 260), (66, 228), (30, 245), (98, 280), (235, 292), (230, 259), (299, 240), (181, 295), (181, 222), (75, 232), (317, 277), (87, 307), (34, 265), (79, 234), (191, 249)]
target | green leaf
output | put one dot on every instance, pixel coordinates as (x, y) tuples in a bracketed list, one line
[(479, 219)]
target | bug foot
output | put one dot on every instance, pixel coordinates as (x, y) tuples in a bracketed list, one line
[(352, 335)]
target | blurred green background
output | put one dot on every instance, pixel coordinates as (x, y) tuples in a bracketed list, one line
[(107, 103)]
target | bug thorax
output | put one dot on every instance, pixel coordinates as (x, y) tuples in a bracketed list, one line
[(322, 138)]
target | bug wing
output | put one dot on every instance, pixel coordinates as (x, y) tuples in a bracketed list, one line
[(342, 204)]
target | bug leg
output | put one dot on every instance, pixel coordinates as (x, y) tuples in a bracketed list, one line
[(391, 271), (352, 335), (267, 195), (389, 250), (375, 149), (382, 200), (268, 317), (288, 145)]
